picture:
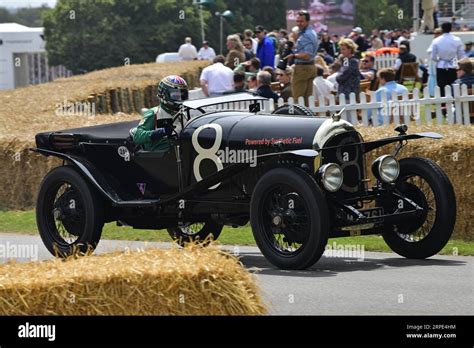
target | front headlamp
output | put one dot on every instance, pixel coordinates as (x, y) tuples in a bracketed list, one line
[(386, 168)]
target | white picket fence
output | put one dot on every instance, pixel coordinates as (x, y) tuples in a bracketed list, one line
[(367, 111), (385, 61)]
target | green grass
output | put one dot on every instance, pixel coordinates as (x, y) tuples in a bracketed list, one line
[(24, 222)]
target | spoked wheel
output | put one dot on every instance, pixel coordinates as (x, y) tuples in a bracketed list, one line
[(69, 213), (285, 219), (294, 109), (195, 232), (425, 183), (289, 218)]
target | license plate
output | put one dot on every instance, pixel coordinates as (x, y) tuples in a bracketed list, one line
[(368, 213), (372, 213)]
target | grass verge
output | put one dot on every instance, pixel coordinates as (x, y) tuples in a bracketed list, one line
[(24, 222)]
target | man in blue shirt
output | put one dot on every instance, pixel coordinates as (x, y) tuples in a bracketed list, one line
[(388, 87), (265, 48), (305, 51)]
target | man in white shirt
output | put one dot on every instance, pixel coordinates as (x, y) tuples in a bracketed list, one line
[(206, 52), (187, 51), (321, 86), (217, 78), (446, 51)]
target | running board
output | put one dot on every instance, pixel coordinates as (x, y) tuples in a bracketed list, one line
[(145, 203)]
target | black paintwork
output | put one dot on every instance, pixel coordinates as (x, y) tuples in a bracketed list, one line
[(147, 189)]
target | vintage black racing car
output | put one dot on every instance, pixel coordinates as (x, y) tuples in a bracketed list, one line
[(298, 179)]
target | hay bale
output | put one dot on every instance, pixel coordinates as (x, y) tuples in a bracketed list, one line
[(192, 281), (21, 173), (454, 153), (30, 110), (137, 96)]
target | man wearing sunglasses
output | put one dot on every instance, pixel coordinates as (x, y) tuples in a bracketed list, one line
[(368, 71)]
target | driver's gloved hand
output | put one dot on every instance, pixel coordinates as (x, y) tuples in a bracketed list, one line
[(159, 133), (169, 130)]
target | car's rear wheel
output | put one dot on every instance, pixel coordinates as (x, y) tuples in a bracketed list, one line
[(294, 109), (289, 218), (425, 183), (69, 213), (201, 232)]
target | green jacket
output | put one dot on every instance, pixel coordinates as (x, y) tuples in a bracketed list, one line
[(142, 133)]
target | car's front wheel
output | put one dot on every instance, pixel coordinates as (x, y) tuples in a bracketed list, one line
[(425, 183), (202, 232), (69, 213), (289, 218)]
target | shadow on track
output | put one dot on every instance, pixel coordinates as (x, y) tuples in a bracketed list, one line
[(331, 266)]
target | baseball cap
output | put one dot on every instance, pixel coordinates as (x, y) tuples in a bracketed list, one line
[(259, 28), (357, 30)]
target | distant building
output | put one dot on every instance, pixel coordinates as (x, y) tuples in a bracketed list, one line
[(23, 59)]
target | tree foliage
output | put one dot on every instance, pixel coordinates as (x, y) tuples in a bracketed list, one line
[(29, 16), (92, 35), (383, 14)]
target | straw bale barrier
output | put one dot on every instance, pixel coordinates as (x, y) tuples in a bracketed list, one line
[(454, 153), (190, 281)]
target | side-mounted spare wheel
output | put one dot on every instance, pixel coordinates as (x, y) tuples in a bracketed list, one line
[(289, 218), (69, 213), (426, 184)]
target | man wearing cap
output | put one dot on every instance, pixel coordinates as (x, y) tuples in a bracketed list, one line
[(305, 51), (206, 52), (404, 57), (359, 40), (265, 48)]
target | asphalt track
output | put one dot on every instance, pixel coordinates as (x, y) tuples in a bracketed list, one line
[(378, 283)]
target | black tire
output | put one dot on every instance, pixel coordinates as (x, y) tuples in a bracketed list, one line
[(76, 213), (304, 225), (196, 232), (435, 226), (295, 109)]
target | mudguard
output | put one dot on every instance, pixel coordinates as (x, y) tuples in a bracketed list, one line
[(88, 171)]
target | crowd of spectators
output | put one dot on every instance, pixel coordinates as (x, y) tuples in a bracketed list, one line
[(300, 63)]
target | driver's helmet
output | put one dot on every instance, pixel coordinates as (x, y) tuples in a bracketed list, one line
[(172, 91)]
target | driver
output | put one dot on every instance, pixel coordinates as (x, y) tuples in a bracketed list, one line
[(153, 130)]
